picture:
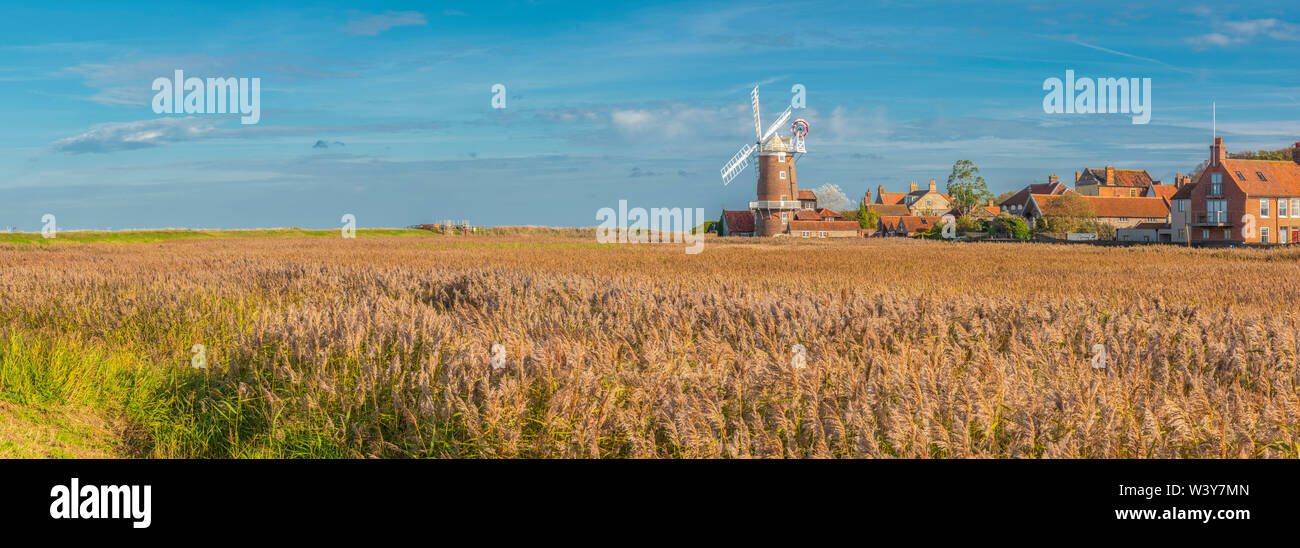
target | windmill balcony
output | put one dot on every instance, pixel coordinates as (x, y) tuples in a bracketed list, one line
[(775, 204)]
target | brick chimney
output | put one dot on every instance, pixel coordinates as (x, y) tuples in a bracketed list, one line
[(1217, 152), (1076, 176), (880, 192), (1053, 179), (1178, 180), (1110, 175), (1295, 153), (913, 186), (866, 197), (931, 185)]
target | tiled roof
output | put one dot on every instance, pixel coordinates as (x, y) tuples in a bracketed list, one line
[(891, 197), (1184, 192), (739, 221), (914, 224), (1105, 206), (1281, 178), (1022, 197), (1123, 177), (824, 212), (1165, 191), (807, 195), (813, 226), (807, 215), (993, 210), (893, 210)]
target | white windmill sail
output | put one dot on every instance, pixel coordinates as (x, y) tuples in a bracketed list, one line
[(758, 126), (737, 164), (780, 120)]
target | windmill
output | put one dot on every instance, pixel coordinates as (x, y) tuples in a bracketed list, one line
[(778, 194)]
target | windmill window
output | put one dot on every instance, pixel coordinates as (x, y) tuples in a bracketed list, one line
[(782, 174)]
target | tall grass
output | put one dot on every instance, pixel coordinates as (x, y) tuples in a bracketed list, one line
[(379, 347)]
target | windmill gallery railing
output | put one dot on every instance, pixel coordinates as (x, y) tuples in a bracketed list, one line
[(775, 204)]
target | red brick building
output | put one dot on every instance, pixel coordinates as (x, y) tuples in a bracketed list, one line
[(1242, 201)]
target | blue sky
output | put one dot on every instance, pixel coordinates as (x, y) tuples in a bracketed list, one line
[(605, 102)]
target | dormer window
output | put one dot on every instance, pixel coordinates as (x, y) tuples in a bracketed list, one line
[(1261, 175), (1241, 177)]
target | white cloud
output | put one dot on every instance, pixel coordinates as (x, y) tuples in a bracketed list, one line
[(116, 136), (1239, 32), (376, 24)]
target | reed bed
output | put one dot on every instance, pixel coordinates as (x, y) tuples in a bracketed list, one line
[(380, 347)]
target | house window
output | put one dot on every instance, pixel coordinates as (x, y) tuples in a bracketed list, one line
[(1132, 193), (785, 218), (1295, 207), (1227, 233), (1281, 234), (1123, 219), (1205, 233), (1263, 208), (823, 233), (1281, 207), (1216, 184), (805, 233), (1216, 211), (1263, 234), (1182, 206)]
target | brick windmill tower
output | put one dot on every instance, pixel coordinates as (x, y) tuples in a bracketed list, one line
[(778, 194)]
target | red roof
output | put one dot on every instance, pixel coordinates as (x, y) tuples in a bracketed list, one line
[(891, 197), (1165, 191), (828, 213), (807, 215), (1281, 179), (1123, 177), (807, 195), (1022, 197), (916, 223), (890, 210), (1105, 206), (739, 221), (816, 226)]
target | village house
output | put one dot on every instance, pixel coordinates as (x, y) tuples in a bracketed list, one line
[(1123, 183), (1215, 208), (927, 202), (906, 225), (1015, 205), (825, 229), (1119, 212), (736, 223)]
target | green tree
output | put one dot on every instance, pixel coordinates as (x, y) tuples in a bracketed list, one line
[(1009, 226), (966, 186), (1068, 212), (867, 217)]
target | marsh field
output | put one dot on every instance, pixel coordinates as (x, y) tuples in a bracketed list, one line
[(381, 346)]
